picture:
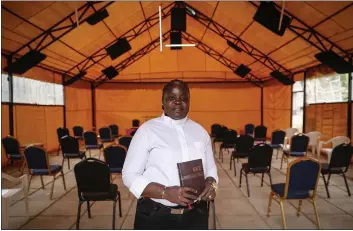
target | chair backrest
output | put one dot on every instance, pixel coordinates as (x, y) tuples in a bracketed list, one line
[(78, 131), (260, 132), (249, 129), (215, 128), (339, 140), (135, 123), (125, 141), (313, 137), (114, 129), (36, 158), (92, 175), (114, 155), (244, 143), (341, 156), (69, 145), (291, 132), (303, 175), (230, 137), (105, 133), (260, 156), (11, 145), (278, 137), (299, 143), (61, 132), (90, 138)]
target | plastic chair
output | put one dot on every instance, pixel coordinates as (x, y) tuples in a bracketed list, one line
[(314, 140), (335, 141)]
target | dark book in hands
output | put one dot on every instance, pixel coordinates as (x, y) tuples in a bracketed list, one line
[(191, 175)]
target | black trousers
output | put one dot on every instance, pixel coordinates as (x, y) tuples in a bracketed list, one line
[(153, 215)]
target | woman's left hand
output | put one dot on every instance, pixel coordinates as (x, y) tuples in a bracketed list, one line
[(209, 193)]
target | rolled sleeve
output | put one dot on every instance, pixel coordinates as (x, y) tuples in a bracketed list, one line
[(211, 168), (138, 185)]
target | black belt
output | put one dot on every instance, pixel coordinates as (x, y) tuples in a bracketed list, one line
[(163, 208)]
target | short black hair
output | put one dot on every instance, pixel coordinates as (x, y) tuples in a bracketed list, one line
[(175, 82)]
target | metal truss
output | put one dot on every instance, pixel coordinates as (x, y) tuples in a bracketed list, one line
[(134, 57), (313, 37), (228, 35), (61, 28), (131, 34), (220, 58)]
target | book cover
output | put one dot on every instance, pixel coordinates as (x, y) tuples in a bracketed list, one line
[(191, 175)]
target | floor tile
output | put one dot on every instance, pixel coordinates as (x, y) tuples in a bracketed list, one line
[(334, 221), (55, 222), (292, 221), (242, 222), (234, 207)]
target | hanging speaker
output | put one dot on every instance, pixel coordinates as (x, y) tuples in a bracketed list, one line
[(97, 17), (334, 61), (26, 62), (234, 46), (178, 21), (75, 78), (282, 78), (242, 70), (110, 72), (268, 16), (175, 38), (120, 47)]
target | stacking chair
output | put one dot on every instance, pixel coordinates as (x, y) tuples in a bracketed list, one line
[(243, 145), (61, 132), (12, 151), (335, 141), (277, 140), (125, 141), (93, 184), (290, 132), (71, 149), (215, 129), (78, 132), (105, 135), (228, 141), (339, 164), (91, 142), (314, 140), (298, 147), (114, 156), (301, 183), (219, 138), (249, 129), (259, 161), (38, 164), (260, 133), (115, 130)]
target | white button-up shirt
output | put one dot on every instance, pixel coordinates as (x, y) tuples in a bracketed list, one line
[(157, 147)]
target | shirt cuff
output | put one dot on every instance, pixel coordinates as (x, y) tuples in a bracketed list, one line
[(212, 173), (139, 185)]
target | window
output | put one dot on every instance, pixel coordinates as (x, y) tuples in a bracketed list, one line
[(298, 105), (31, 91)]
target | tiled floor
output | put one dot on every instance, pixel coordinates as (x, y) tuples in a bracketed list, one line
[(234, 209)]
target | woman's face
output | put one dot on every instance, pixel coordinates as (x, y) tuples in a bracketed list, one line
[(176, 102)]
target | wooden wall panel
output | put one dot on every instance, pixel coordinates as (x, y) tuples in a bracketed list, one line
[(233, 105)]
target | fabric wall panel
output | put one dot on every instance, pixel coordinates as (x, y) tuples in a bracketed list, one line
[(5, 128)]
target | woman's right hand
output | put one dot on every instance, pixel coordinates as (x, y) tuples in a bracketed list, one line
[(180, 195)]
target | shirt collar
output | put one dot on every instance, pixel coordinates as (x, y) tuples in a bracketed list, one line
[(171, 121)]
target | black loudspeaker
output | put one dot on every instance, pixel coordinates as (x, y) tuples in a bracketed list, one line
[(120, 47), (75, 78), (282, 78), (178, 21), (234, 46), (26, 62), (242, 70), (110, 72), (268, 16), (334, 61), (97, 17), (175, 38)]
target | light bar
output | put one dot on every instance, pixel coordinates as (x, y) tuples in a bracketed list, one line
[(180, 45)]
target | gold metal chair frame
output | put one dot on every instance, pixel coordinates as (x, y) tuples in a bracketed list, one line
[(280, 199)]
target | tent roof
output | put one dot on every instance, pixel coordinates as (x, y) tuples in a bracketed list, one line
[(24, 21)]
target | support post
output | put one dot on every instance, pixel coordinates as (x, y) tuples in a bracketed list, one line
[(64, 96), (10, 79), (262, 106), (349, 118), (93, 106), (304, 102)]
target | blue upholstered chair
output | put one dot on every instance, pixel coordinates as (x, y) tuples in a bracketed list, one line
[(243, 146), (71, 149), (249, 129), (228, 141), (114, 156), (301, 183), (125, 141), (61, 132), (260, 133), (298, 147), (12, 151), (277, 140), (38, 165), (91, 142), (105, 135), (78, 132), (115, 130)]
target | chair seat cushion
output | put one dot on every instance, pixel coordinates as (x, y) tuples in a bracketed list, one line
[(223, 145), (326, 170), (94, 146), (240, 154), (15, 156), (115, 170), (286, 152), (102, 196), (81, 154), (53, 168), (246, 168), (276, 145), (292, 194)]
